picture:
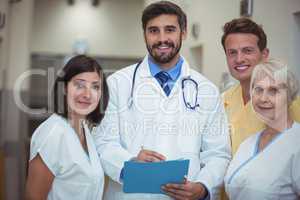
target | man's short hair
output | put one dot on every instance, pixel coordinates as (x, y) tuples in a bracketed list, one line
[(164, 7), (245, 25)]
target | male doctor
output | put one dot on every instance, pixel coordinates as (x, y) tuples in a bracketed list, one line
[(161, 109)]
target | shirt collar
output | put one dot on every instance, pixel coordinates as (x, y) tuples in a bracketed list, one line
[(174, 71)]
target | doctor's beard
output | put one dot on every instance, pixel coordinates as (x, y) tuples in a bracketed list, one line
[(164, 57)]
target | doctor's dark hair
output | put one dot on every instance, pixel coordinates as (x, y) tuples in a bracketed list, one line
[(76, 65), (164, 8), (245, 25)]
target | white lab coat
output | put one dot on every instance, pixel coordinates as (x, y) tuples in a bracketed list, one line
[(272, 173), (78, 176), (165, 125)]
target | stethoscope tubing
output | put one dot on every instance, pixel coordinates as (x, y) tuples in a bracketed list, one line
[(188, 78)]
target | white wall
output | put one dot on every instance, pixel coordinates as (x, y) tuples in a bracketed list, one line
[(111, 29), (276, 16), (114, 28), (18, 61), (211, 15), (273, 15), (280, 26), (57, 26), (294, 58), (3, 43), (20, 24), (295, 41)]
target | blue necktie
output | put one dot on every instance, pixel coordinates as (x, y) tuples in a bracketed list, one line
[(163, 77)]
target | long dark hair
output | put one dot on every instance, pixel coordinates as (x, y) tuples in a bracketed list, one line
[(76, 65)]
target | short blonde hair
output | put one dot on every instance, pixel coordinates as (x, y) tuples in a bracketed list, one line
[(278, 71)]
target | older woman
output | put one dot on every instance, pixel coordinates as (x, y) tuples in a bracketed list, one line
[(267, 164)]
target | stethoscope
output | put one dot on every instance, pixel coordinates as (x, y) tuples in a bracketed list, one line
[(184, 81)]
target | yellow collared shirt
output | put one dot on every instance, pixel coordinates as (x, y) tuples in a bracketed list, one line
[(243, 120)]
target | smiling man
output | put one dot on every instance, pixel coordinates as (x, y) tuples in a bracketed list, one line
[(164, 51), (150, 118), (245, 46)]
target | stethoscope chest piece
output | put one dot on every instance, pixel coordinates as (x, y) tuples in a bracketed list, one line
[(190, 92)]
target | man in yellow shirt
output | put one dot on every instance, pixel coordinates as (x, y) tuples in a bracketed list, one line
[(245, 45)]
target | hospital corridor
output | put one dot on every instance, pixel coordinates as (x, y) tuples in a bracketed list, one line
[(39, 37)]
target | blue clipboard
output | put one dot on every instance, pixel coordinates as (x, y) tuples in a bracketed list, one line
[(148, 177)]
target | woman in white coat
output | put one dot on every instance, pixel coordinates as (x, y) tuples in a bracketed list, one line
[(64, 163), (266, 165)]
